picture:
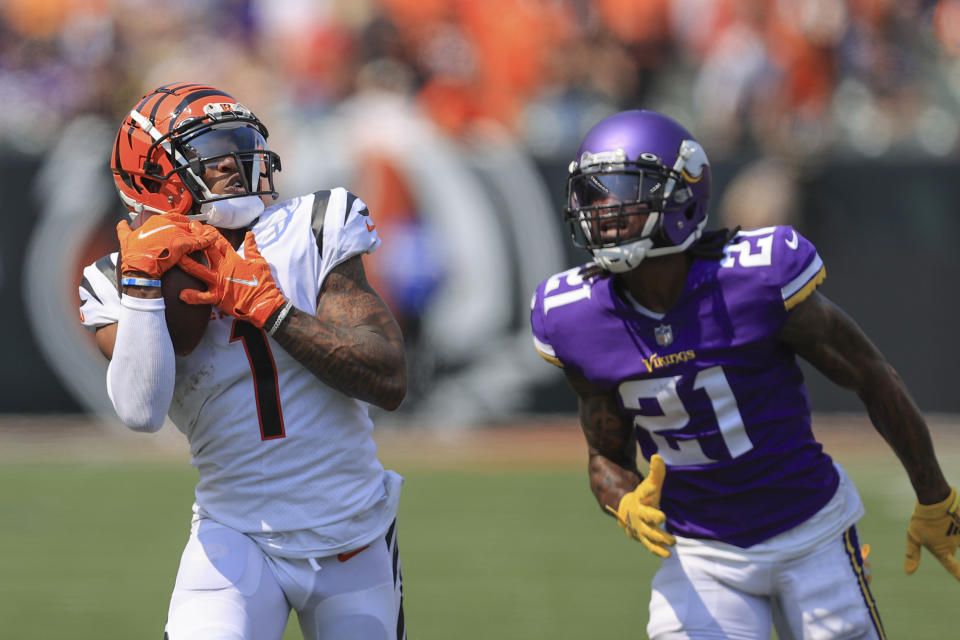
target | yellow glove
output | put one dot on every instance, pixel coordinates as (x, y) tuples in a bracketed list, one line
[(639, 512), (936, 527)]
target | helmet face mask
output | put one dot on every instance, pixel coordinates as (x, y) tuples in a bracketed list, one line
[(243, 146), (639, 188), (178, 134), (609, 207)]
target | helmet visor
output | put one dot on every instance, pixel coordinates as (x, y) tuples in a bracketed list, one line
[(607, 208), (613, 188), (237, 143)]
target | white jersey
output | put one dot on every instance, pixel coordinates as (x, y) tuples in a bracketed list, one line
[(280, 455)]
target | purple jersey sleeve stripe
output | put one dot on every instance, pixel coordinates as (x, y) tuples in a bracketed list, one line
[(546, 352), (800, 288)]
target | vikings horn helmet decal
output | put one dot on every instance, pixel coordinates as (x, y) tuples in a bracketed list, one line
[(172, 136), (637, 163)]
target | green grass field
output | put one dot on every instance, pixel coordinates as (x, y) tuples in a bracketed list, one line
[(90, 550)]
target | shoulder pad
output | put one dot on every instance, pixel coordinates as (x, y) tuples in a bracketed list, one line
[(99, 295), (779, 258), (559, 290), (342, 227)]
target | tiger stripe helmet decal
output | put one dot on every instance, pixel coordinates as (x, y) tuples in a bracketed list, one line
[(157, 169)]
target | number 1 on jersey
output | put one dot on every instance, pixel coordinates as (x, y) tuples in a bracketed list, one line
[(265, 384)]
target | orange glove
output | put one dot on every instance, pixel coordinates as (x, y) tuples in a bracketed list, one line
[(242, 288), (159, 243)]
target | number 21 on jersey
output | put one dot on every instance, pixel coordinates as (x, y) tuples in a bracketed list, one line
[(675, 447), (572, 279), (665, 427)]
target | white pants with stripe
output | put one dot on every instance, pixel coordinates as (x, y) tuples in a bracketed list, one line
[(227, 588), (808, 583)]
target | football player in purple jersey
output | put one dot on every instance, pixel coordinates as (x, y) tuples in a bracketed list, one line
[(685, 343)]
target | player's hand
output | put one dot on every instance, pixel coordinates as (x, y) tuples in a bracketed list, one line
[(243, 288), (639, 512), (159, 243), (936, 527)]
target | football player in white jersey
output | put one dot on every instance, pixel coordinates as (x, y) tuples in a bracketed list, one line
[(293, 509)]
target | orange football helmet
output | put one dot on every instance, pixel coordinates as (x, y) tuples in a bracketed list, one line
[(172, 134)]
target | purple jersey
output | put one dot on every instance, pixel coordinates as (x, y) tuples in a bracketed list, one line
[(708, 384)]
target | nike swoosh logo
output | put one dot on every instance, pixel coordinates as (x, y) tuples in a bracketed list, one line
[(343, 557), (147, 234), (793, 242), (249, 283), (370, 227)]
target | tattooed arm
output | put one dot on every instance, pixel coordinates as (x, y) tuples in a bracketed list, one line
[(831, 341), (353, 344), (610, 442)]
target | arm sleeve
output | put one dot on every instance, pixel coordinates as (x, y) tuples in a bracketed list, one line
[(140, 378)]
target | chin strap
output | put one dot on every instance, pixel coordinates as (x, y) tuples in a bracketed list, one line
[(623, 258), (627, 257)]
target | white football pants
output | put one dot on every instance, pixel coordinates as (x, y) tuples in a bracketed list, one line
[(820, 595), (227, 588)]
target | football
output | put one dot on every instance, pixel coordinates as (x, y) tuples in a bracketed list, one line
[(186, 322)]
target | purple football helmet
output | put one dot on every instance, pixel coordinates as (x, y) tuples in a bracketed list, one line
[(637, 163)]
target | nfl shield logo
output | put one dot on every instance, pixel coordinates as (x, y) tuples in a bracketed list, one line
[(664, 335)]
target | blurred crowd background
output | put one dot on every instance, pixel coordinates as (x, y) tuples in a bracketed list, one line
[(840, 117), (796, 77)]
